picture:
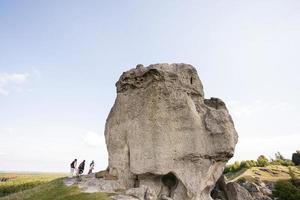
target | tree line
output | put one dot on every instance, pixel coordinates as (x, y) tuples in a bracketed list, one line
[(262, 161)]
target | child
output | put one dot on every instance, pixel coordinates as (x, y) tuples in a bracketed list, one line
[(92, 165)]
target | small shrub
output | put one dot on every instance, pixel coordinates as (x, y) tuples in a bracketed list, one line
[(262, 161), (240, 165), (233, 167)]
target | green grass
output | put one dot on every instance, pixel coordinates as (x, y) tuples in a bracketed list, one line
[(55, 190), (285, 190), (22, 181)]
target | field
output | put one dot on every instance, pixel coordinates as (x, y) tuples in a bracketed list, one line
[(15, 182), (41, 186)]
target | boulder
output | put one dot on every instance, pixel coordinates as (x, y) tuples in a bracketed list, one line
[(260, 196), (242, 189), (296, 158), (251, 187), (236, 192), (105, 175), (162, 133), (219, 191)]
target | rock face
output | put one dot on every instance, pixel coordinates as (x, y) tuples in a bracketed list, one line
[(164, 135)]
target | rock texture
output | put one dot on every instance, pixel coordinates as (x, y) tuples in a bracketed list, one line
[(236, 192), (164, 135), (240, 190), (258, 191), (89, 183)]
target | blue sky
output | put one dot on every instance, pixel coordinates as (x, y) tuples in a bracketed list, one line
[(59, 61)]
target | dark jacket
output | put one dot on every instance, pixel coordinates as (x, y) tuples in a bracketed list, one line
[(92, 163), (73, 164), (81, 167)]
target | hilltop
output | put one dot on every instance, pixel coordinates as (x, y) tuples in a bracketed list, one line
[(271, 173)]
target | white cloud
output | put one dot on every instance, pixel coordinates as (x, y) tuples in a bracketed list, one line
[(93, 139), (2, 154), (264, 128), (6, 130), (240, 110), (253, 108), (7, 80), (36, 73)]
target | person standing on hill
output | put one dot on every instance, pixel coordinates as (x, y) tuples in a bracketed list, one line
[(92, 165), (73, 167), (81, 168)]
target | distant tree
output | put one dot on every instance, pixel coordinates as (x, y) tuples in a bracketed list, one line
[(286, 162), (236, 166), (262, 161)]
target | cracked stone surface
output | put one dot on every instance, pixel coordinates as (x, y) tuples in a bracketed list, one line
[(162, 124), (90, 184)]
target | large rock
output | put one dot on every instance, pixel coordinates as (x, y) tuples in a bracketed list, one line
[(236, 192), (296, 158), (257, 191), (240, 190), (219, 191), (163, 134)]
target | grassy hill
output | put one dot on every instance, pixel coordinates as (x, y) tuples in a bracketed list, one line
[(283, 181), (271, 173), (42, 187), (15, 182)]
